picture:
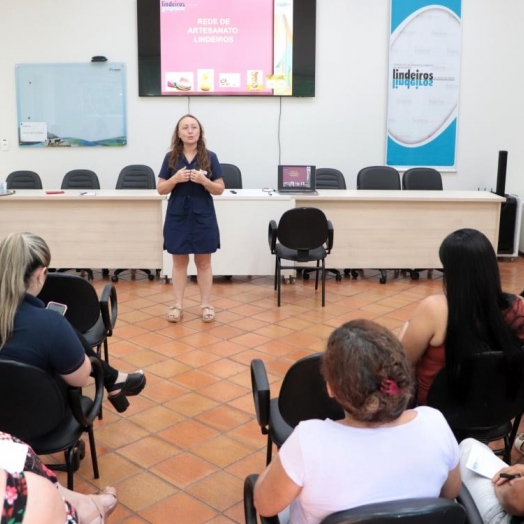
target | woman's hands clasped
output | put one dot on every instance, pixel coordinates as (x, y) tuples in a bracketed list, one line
[(194, 175)]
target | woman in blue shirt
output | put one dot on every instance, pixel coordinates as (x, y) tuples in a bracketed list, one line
[(191, 175)]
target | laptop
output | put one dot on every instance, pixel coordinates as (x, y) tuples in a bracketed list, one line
[(296, 180)]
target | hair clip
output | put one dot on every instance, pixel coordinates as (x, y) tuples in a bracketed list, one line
[(389, 387)]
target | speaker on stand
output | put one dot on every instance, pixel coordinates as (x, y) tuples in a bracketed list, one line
[(510, 213)]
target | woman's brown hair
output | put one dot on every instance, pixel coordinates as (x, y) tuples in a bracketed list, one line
[(367, 371)]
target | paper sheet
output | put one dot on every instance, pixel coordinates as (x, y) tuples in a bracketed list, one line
[(12, 456), (484, 462)]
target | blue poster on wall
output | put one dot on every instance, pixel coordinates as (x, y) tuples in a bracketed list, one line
[(71, 105), (423, 90)]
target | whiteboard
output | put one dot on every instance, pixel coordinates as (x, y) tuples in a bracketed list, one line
[(71, 105)]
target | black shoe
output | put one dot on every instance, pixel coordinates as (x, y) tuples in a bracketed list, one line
[(133, 385)]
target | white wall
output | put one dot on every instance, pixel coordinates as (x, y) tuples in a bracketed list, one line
[(342, 127)]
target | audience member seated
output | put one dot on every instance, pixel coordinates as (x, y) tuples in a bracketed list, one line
[(499, 500), (32, 493), (472, 314), (43, 338), (380, 451)]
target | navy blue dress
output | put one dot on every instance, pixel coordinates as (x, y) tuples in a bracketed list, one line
[(191, 224)]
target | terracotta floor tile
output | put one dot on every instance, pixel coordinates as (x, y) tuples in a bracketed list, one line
[(191, 404), (222, 451), (219, 490), (119, 433), (195, 379), (223, 418), (163, 391), (223, 391), (223, 368), (179, 506), (149, 451), (157, 418), (188, 434), (168, 368), (197, 358), (150, 340), (183, 470)]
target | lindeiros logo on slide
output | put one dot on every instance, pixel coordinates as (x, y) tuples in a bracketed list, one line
[(170, 5), (411, 79)]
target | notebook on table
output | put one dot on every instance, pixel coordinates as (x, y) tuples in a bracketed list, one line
[(296, 180)]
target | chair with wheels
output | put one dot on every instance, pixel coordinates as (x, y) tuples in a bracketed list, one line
[(413, 511), (486, 409), (94, 318), (136, 176), (303, 396), (421, 178), (303, 234), (328, 178), (23, 180), (80, 179), (232, 176), (379, 178), (33, 409)]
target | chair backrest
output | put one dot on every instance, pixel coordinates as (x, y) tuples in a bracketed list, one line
[(328, 178), (303, 229), (136, 176), (32, 403), (378, 177), (24, 180), (303, 394), (415, 511), (422, 178), (486, 403), (80, 179), (232, 176), (83, 305)]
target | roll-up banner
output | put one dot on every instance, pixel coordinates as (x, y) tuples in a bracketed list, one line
[(424, 74)]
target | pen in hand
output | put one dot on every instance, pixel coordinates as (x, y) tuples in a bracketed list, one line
[(509, 476)]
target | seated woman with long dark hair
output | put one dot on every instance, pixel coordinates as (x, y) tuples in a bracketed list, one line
[(380, 451), (472, 315), (31, 334)]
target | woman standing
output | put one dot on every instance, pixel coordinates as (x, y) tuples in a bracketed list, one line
[(472, 315), (191, 174)]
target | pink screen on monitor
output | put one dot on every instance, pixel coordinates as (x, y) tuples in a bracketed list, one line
[(230, 40), (296, 176)]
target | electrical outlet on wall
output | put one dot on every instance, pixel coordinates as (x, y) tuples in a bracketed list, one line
[(4, 144)]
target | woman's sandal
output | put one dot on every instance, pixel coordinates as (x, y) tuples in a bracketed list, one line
[(133, 385), (174, 314), (208, 314), (101, 512)]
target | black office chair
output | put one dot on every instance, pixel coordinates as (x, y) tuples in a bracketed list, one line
[(303, 396), (23, 180), (232, 176), (303, 234), (421, 178), (328, 178), (33, 409), (94, 318), (487, 411), (136, 176), (379, 177), (80, 179), (413, 511)]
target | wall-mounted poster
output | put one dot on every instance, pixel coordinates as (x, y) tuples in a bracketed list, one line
[(423, 92), (71, 105)]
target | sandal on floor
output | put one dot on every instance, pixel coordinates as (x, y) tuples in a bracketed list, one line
[(101, 512), (133, 385), (208, 314), (174, 314)]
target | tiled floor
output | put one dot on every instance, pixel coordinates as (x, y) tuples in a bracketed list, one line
[(181, 451)]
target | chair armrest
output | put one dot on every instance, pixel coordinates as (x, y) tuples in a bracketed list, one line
[(250, 513), (331, 236), (472, 513), (260, 387), (75, 394), (272, 235), (109, 307)]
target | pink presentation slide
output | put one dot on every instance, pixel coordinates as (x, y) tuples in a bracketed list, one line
[(216, 47)]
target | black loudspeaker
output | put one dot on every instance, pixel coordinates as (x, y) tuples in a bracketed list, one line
[(501, 173), (508, 223)]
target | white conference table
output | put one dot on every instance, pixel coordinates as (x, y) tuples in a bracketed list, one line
[(373, 229), (111, 229)]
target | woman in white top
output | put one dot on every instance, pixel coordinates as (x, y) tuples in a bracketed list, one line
[(380, 451)]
